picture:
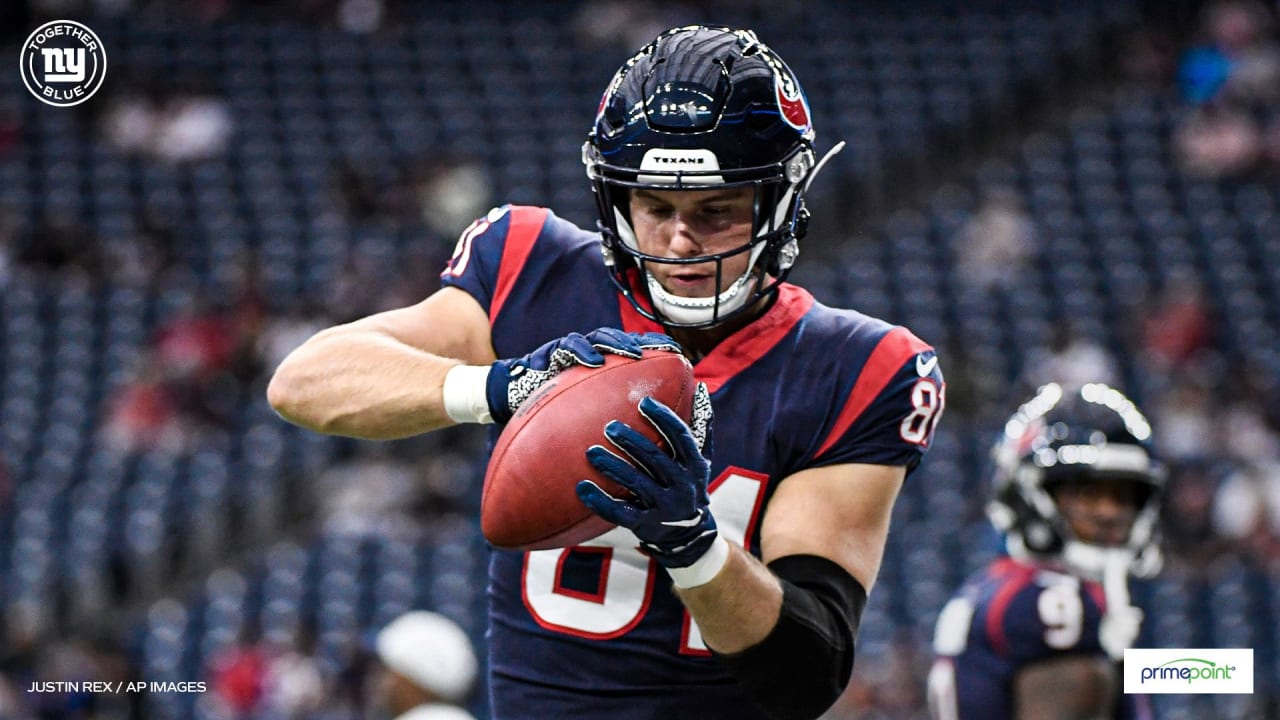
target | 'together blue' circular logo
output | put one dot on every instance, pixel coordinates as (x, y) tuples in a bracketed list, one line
[(63, 63)]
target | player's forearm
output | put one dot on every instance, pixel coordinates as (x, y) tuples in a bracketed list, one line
[(359, 382), (739, 607)]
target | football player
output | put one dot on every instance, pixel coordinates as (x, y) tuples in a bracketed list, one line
[(1039, 633), (735, 581)]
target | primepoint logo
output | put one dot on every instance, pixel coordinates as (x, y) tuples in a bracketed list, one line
[(1188, 670)]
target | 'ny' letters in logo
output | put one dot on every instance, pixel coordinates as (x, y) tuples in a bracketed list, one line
[(63, 64)]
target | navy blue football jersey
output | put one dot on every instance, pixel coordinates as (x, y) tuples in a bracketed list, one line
[(1008, 616), (595, 631)]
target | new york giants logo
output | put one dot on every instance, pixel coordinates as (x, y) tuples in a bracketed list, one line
[(63, 63)]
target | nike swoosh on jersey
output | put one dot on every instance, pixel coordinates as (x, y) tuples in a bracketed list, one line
[(924, 367)]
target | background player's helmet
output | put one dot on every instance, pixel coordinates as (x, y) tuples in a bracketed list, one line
[(703, 107), (1064, 436)]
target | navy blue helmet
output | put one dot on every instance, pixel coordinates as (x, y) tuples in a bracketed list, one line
[(701, 108), (1063, 436)]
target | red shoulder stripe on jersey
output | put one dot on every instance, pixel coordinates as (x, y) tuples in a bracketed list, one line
[(894, 349), (1022, 575), (526, 225), (742, 349)]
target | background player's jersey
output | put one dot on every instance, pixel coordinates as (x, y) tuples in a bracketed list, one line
[(1006, 617), (596, 631)]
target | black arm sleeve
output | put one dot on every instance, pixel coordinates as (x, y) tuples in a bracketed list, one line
[(802, 666)]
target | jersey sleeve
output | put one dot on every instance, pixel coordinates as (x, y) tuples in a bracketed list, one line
[(889, 415), (477, 257), (492, 253)]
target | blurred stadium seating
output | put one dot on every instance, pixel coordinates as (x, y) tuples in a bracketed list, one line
[(177, 550)]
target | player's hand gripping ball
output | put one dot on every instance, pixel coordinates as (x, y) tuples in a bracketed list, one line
[(512, 381), (529, 500), (669, 508)]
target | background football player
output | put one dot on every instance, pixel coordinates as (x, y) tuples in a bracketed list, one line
[(700, 157), (1037, 634)]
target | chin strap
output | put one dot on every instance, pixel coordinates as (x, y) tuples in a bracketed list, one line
[(694, 310)]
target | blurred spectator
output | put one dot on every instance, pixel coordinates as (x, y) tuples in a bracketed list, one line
[(192, 127), (1150, 56), (1183, 418), (428, 668), (58, 242), (129, 122), (1246, 510), (295, 687), (238, 676), (1231, 78), (1178, 326), (997, 241), (1203, 74), (453, 193), (360, 16), (1187, 516), (621, 23), (133, 260), (1242, 31), (1218, 141), (176, 126), (1235, 58), (372, 493), (1071, 358), (143, 415), (1241, 430), (195, 343), (202, 355)]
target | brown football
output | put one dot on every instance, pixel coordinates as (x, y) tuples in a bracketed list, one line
[(529, 501)]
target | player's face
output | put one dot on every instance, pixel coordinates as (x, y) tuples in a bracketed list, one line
[(395, 693), (693, 223), (1100, 511)]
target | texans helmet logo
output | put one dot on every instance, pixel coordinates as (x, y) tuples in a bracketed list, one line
[(795, 110), (1029, 435)]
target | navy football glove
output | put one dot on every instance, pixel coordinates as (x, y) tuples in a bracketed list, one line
[(510, 382), (671, 514)]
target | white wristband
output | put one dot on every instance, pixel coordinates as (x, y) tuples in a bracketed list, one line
[(705, 568), (464, 394)]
